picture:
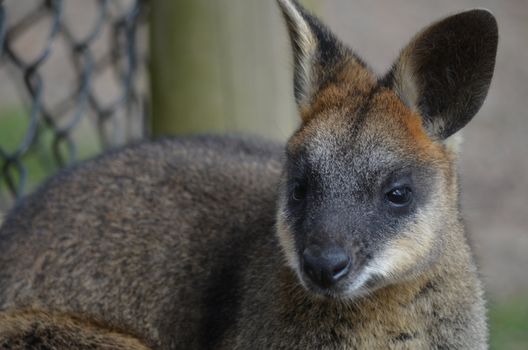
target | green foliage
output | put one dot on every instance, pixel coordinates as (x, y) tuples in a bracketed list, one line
[(38, 161), (14, 123), (509, 324)]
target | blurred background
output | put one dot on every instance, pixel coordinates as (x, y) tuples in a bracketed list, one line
[(81, 76)]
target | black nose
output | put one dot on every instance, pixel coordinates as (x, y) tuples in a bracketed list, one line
[(325, 267)]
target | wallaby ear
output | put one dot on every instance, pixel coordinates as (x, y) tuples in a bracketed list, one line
[(446, 70), (317, 52)]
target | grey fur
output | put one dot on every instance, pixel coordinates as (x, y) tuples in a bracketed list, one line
[(197, 243)]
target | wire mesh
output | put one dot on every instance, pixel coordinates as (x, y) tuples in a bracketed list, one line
[(79, 69)]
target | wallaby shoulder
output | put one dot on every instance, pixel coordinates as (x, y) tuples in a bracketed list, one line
[(179, 160)]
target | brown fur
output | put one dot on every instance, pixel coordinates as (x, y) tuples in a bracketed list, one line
[(352, 84), (33, 329), (199, 243)]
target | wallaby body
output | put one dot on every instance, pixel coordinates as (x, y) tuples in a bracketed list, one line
[(351, 239), (176, 257)]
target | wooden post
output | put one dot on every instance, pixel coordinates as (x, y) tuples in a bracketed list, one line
[(220, 66)]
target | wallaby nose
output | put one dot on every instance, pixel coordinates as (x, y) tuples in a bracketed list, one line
[(325, 267)]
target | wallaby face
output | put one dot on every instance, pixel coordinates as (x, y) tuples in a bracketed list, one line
[(370, 182)]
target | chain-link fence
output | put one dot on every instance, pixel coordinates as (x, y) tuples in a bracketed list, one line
[(72, 83)]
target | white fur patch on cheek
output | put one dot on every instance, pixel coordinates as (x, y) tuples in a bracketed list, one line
[(406, 255), (287, 242)]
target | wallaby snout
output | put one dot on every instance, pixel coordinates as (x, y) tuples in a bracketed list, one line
[(325, 267)]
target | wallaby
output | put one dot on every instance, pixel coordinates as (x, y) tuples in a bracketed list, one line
[(350, 239)]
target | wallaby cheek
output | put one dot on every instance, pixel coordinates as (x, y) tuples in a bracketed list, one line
[(287, 241), (407, 254)]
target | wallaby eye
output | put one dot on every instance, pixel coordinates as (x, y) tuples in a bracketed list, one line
[(298, 191), (399, 196)]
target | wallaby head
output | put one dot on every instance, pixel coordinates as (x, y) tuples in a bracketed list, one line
[(370, 195)]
